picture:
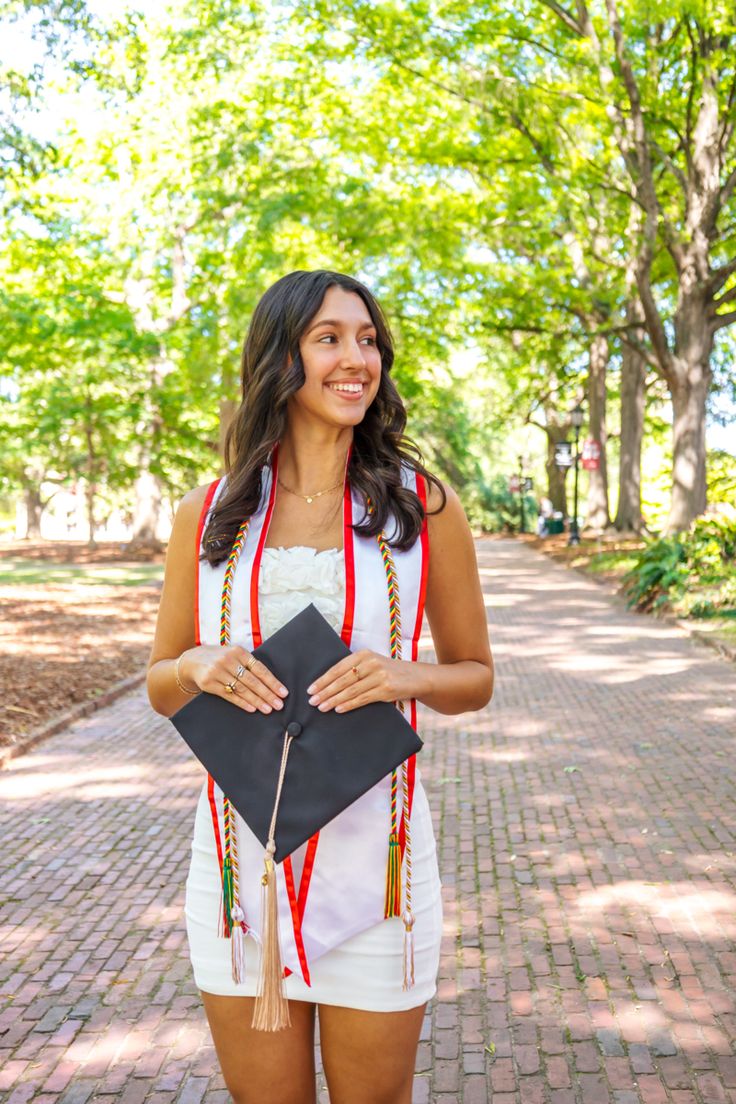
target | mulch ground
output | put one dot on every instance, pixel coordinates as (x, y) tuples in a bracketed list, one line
[(556, 547), (64, 644)]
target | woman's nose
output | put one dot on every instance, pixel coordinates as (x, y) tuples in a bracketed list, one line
[(353, 353)]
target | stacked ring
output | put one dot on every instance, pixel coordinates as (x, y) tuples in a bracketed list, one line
[(242, 668)]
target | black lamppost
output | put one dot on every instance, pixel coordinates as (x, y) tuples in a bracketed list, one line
[(577, 418), (521, 493)]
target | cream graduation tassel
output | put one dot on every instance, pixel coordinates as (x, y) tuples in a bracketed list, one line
[(271, 1010)]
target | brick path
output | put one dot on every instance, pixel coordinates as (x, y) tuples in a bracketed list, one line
[(586, 825)]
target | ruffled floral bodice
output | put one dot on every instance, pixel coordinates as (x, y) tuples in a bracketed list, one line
[(291, 578)]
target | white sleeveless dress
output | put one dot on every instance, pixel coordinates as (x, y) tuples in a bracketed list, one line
[(365, 971)]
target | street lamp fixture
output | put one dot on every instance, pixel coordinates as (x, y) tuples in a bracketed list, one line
[(577, 418)]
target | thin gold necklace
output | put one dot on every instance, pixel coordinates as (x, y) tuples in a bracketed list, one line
[(309, 497)]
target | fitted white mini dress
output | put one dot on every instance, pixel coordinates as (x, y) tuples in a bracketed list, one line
[(365, 971)]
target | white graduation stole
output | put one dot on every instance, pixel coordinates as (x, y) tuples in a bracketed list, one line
[(334, 885)]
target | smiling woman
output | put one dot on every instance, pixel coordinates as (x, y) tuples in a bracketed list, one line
[(313, 339), (324, 501)]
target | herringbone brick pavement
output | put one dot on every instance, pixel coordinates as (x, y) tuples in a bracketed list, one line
[(586, 827)]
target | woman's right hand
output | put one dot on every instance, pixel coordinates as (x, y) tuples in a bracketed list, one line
[(212, 667)]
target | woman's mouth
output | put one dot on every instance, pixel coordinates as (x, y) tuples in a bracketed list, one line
[(350, 391)]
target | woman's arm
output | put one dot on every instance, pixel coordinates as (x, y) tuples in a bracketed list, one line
[(202, 667), (175, 631), (462, 678)]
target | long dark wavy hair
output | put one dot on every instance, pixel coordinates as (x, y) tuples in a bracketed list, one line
[(280, 318)]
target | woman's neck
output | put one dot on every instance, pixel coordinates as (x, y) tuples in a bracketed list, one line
[(312, 462)]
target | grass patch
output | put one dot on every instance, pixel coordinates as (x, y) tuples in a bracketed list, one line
[(615, 562), (17, 571)]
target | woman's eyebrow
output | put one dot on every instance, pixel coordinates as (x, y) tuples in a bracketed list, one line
[(337, 323)]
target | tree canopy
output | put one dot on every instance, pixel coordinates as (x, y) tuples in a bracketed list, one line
[(541, 196)]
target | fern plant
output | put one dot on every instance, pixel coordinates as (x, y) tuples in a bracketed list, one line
[(660, 568)]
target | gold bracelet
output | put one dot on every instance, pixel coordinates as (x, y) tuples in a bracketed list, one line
[(179, 683)]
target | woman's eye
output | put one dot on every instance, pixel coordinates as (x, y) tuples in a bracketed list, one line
[(332, 337)]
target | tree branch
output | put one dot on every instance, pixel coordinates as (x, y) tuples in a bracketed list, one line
[(728, 121), (562, 14), (690, 96), (726, 189), (727, 297), (500, 327), (642, 166), (624, 333), (722, 320), (536, 145), (674, 169), (652, 317), (719, 276)]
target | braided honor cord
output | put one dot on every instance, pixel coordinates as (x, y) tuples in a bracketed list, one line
[(232, 917), (392, 906)]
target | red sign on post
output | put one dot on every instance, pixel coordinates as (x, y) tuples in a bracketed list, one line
[(591, 454), (514, 484)]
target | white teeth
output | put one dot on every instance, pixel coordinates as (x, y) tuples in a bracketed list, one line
[(355, 387)]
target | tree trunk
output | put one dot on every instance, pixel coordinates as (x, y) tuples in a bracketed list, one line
[(140, 298), (556, 476), (633, 375), (598, 517), (90, 493), (689, 381), (147, 489), (689, 494), (147, 507), (33, 505), (90, 489), (227, 412)]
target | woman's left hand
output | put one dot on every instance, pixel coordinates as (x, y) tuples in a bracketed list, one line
[(378, 678)]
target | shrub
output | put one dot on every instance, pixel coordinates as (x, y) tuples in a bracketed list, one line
[(493, 508), (659, 568), (707, 550)]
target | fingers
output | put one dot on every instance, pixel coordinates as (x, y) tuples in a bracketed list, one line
[(254, 686), (342, 689), (348, 699), (340, 676), (259, 675)]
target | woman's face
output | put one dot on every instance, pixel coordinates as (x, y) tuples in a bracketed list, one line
[(342, 363)]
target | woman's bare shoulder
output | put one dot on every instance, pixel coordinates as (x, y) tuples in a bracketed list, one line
[(190, 507), (443, 512), (196, 497)]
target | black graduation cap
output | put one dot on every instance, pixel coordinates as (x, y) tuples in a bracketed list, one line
[(333, 758)]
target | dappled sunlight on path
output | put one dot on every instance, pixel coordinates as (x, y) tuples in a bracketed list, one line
[(587, 840)]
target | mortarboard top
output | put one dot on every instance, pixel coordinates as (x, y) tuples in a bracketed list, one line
[(333, 757)]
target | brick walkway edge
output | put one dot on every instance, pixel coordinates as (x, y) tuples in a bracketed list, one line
[(586, 840)]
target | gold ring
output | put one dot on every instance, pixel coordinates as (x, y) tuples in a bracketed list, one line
[(251, 663), (230, 687), (355, 672)]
